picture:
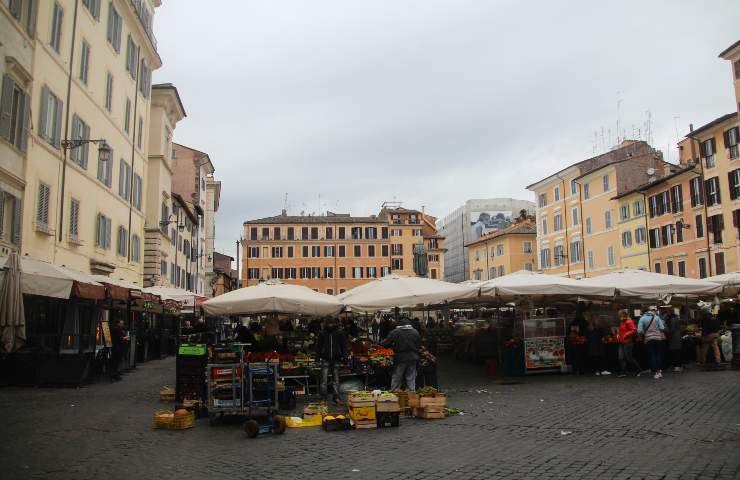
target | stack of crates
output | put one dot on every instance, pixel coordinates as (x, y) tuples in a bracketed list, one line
[(362, 409), (190, 374), (431, 406), (387, 410)]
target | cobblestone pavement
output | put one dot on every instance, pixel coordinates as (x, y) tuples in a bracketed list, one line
[(685, 426)]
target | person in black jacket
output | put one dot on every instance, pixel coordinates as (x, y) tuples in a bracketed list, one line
[(406, 343), (119, 345), (331, 348)]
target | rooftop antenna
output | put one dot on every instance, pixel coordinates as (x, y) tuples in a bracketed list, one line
[(285, 202), (675, 125), (619, 104)]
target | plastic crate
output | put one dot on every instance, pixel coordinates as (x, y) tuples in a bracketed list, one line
[(387, 419)]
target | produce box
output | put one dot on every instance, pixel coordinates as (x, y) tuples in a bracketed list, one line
[(192, 349), (361, 399), (413, 399), (333, 424), (387, 407), (315, 409), (362, 413), (429, 412), (363, 424), (434, 400)]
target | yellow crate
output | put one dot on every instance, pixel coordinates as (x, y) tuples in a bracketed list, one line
[(167, 420), (362, 413)]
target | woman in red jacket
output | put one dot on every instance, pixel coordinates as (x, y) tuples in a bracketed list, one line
[(626, 338)]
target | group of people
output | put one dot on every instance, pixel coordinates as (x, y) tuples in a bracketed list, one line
[(659, 333), (332, 351)]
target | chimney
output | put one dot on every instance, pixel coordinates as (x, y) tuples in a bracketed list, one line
[(691, 141), (285, 213)]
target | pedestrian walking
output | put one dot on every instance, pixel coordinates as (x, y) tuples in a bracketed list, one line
[(331, 348), (626, 339), (709, 336), (406, 343), (651, 328), (596, 349)]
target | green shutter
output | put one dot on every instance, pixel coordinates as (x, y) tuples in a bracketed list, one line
[(15, 227), (33, 8), (6, 107), (26, 122), (57, 122)]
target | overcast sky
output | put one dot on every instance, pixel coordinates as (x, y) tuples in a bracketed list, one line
[(345, 104)]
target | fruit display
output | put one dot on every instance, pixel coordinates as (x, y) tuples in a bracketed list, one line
[(578, 340), (610, 339), (261, 357), (380, 356)]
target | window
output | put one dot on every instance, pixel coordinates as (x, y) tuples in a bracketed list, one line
[(357, 250), (605, 181), (655, 238), (656, 268), (127, 117), (610, 255), (586, 191), (356, 272), (708, 149), (627, 239), (590, 256), (109, 91), (145, 80), (697, 191), (50, 120), (132, 57), (545, 257), (115, 27), (734, 177), (677, 199), (715, 225), (15, 110), (679, 232), (93, 6), (528, 267), (384, 271), (637, 208), (314, 233), (396, 249), (659, 204), (500, 249), (527, 247), (329, 233), (42, 207), (356, 233), (543, 200), (329, 251), (669, 267), (477, 255), (608, 219), (719, 263), (732, 139), (80, 131), (699, 222), (397, 264), (277, 252), (371, 250), (588, 225), (544, 225), (493, 252), (290, 272), (253, 235), (556, 194), (304, 233), (666, 233), (416, 232), (291, 233), (574, 216), (573, 187), (102, 232), (371, 233), (74, 220), (702, 268), (328, 272), (396, 232), (163, 268), (640, 235), (372, 272), (173, 271), (681, 268), (316, 251), (557, 221), (576, 251), (124, 179), (84, 61), (342, 233), (135, 248), (140, 133), (624, 211), (137, 192), (253, 252), (342, 272), (384, 250), (56, 27), (737, 69), (384, 233), (501, 271), (342, 251), (559, 255)]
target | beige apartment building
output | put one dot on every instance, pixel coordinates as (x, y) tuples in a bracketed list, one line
[(213, 198), (577, 224), (504, 251), (333, 253)]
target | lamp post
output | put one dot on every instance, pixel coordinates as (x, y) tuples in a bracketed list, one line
[(104, 153), (180, 228)]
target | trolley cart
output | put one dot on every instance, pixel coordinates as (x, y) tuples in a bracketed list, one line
[(224, 382), (261, 399)]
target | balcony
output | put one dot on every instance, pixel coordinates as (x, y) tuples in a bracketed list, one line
[(146, 20)]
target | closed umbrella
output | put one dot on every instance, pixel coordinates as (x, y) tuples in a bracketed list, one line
[(12, 315), (273, 297), (396, 291)]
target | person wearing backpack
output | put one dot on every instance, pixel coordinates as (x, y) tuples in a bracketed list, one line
[(652, 328)]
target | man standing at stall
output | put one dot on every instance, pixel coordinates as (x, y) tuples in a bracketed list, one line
[(406, 343), (119, 345), (331, 348)]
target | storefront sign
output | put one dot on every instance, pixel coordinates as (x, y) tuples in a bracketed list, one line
[(544, 352)]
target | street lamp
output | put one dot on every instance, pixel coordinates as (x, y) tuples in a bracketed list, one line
[(104, 153)]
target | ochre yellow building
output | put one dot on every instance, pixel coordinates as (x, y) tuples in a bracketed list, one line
[(503, 251), (632, 226)]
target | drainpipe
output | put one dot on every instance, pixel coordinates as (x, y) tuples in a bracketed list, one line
[(66, 123), (133, 152), (704, 197)]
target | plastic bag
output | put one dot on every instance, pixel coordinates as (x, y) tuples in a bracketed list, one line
[(725, 344)]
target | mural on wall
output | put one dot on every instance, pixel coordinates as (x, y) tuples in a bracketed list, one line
[(488, 221)]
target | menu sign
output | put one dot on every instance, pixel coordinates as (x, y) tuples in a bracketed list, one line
[(544, 352)]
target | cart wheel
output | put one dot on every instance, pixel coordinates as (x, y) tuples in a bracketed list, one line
[(278, 422), (252, 428)]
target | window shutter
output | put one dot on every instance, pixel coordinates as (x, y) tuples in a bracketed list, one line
[(96, 9), (74, 153), (85, 147), (15, 227), (6, 109), (57, 122), (726, 138), (731, 181), (43, 111), (121, 176), (26, 122), (713, 143), (716, 187), (109, 34), (98, 230), (33, 8), (2, 212), (108, 227)]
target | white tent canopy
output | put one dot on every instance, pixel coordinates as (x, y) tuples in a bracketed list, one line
[(271, 297), (396, 291), (731, 279), (526, 283), (639, 283), (187, 298), (48, 280)]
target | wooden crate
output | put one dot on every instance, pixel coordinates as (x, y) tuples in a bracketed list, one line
[(362, 413), (365, 424), (387, 407), (413, 400), (436, 400), (429, 413)]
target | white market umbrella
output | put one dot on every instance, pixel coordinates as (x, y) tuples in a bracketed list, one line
[(404, 292), (273, 297), (185, 297), (526, 283), (56, 281), (639, 283), (12, 315), (730, 281)]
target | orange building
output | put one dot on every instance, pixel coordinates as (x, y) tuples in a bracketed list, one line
[(335, 252), (504, 251)]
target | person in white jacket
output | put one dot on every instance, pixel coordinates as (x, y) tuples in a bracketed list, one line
[(652, 328)]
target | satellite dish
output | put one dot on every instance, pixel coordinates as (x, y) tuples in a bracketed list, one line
[(651, 171)]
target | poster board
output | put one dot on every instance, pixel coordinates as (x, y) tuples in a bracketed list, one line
[(105, 327), (544, 343)]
